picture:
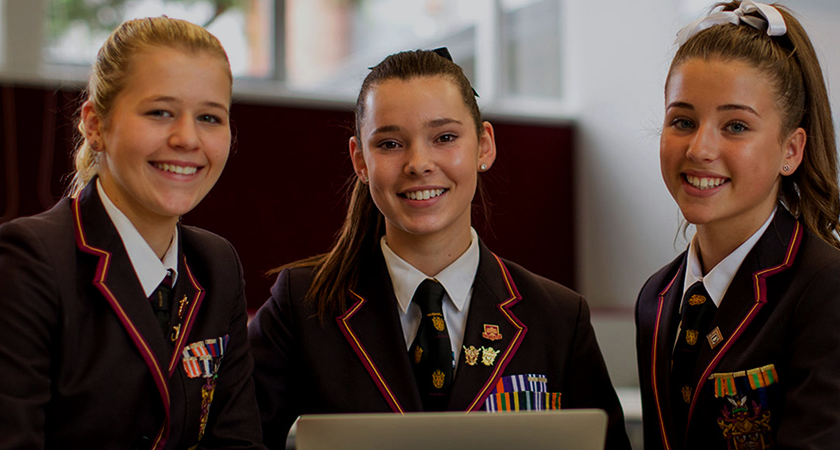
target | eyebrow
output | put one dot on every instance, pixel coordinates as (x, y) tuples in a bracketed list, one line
[(726, 107), (431, 124), (170, 99)]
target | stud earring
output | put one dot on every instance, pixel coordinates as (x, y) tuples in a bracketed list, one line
[(483, 167), (786, 168)]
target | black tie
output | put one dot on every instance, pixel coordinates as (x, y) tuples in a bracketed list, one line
[(698, 309), (431, 351), (161, 300)]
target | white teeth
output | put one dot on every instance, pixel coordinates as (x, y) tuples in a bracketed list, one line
[(424, 195), (181, 170), (704, 183)]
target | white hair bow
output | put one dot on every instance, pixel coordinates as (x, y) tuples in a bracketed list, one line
[(773, 21)]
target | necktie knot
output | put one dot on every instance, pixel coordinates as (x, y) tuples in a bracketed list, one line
[(429, 297)]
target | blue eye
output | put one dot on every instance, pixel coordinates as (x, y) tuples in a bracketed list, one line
[(159, 113), (209, 118), (737, 127)]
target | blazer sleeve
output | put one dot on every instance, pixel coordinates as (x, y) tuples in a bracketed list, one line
[(590, 382), (29, 296), (233, 422), (812, 402), (275, 353)]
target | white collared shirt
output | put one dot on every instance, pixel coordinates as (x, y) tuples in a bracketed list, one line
[(149, 268), (457, 280), (718, 279)]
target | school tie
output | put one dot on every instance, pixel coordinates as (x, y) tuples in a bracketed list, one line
[(161, 300), (698, 309), (431, 351)]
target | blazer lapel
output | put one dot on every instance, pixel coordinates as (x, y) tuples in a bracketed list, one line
[(188, 295), (774, 252), (664, 335), (117, 282), (493, 298), (372, 327)]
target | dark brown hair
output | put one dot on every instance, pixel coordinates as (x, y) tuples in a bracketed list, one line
[(790, 63), (337, 271)]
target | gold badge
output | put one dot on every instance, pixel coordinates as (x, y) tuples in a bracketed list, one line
[(715, 337), (491, 332), (686, 394), (471, 355), (488, 355), (418, 354), (696, 300), (691, 336), (438, 322), (181, 305), (438, 378)]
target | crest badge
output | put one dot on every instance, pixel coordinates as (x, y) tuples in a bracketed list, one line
[(491, 332), (743, 430), (696, 300), (471, 355), (488, 355), (691, 336), (438, 378), (438, 322)]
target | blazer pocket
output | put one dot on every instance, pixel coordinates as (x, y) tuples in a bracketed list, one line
[(745, 400)]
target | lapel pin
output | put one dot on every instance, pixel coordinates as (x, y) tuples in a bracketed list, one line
[(176, 332), (181, 305), (471, 355), (491, 332), (488, 355), (715, 337)]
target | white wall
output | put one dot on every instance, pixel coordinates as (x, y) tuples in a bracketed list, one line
[(628, 225)]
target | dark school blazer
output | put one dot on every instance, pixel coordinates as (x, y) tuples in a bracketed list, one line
[(83, 362), (780, 327), (358, 361)]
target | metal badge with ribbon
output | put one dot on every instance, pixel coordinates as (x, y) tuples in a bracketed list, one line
[(203, 359), (771, 20)]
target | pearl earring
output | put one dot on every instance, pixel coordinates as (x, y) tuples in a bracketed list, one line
[(483, 167)]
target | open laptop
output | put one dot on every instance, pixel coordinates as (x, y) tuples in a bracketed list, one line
[(573, 429)]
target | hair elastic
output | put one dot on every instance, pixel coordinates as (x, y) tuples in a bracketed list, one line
[(772, 21)]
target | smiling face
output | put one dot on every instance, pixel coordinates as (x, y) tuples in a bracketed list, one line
[(167, 136), (418, 146), (722, 151)]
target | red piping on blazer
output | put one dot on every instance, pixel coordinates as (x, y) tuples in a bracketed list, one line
[(344, 325), (99, 281), (521, 330), (653, 361)]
